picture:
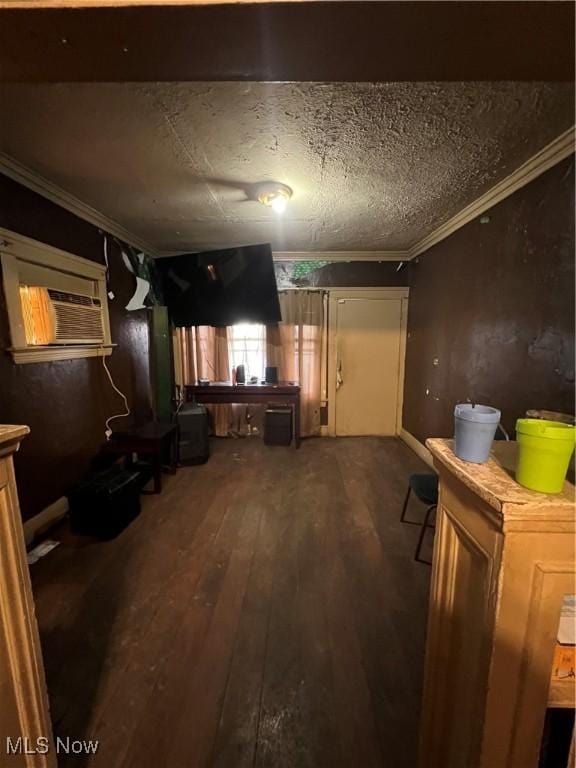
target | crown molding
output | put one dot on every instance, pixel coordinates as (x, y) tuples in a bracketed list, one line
[(340, 255), (550, 155), (37, 183)]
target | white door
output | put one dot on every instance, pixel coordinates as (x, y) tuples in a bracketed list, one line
[(368, 349)]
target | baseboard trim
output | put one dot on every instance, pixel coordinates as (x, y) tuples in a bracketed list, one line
[(45, 519), (415, 445)]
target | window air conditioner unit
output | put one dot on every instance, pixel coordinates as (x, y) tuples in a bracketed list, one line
[(60, 317)]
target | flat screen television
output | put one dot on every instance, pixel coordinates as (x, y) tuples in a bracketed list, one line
[(219, 288)]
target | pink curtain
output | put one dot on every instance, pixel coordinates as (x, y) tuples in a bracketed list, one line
[(295, 347), (202, 353)]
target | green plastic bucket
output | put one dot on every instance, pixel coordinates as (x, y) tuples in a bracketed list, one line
[(544, 452)]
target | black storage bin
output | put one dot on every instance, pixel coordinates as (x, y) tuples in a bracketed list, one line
[(278, 425), (105, 503), (193, 443)]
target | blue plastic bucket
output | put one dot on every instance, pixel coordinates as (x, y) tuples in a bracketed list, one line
[(474, 430)]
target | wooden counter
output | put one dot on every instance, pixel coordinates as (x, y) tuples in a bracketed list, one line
[(24, 716), (503, 560)]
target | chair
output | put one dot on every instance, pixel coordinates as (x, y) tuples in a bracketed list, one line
[(425, 488)]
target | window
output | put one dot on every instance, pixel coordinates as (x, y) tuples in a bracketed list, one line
[(247, 347), (57, 304)]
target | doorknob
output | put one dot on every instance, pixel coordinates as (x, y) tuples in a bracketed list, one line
[(339, 379)]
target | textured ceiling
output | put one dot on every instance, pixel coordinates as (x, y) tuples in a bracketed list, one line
[(372, 166)]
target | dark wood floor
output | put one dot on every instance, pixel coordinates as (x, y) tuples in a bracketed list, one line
[(265, 610)]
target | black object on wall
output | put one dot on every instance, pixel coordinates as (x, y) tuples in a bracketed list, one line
[(221, 288)]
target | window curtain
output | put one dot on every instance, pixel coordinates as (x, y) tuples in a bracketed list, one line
[(295, 347), (202, 353)]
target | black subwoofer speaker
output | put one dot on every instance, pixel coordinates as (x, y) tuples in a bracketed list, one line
[(193, 443), (278, 425), (105, 502)]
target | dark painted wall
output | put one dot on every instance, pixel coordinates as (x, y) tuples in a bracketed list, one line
[(322, 42), (66, 403), (494, 305)]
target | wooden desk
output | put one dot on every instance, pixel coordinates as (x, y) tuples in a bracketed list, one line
[(224, 392), (154, 440), (503, 561)]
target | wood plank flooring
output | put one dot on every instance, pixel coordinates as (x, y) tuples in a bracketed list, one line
[(265, 610)]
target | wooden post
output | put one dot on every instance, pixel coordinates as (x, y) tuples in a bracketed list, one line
[(161, 364), (25, 727)]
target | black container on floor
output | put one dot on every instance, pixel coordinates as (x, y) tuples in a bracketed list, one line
[(278, 426), (193, 443), (105, 503)]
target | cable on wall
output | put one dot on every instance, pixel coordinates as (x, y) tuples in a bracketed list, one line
[(107, 264), (108, 431)]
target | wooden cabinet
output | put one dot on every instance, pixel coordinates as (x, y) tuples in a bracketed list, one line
[(503, 560), (24, 720)]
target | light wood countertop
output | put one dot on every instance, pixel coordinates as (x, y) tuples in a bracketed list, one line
[(12, 433), (494, 481)]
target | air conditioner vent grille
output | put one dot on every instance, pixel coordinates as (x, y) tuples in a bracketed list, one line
[(74, 322), (70, 298), (59, 317)]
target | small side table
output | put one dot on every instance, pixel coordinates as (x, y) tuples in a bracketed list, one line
[(154, 440)]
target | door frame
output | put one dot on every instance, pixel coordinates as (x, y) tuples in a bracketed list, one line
[(363, 293)]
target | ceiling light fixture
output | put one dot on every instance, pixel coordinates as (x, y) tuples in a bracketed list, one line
[(274, 195)]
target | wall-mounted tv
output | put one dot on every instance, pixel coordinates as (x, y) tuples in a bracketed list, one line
[(219, 288)]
